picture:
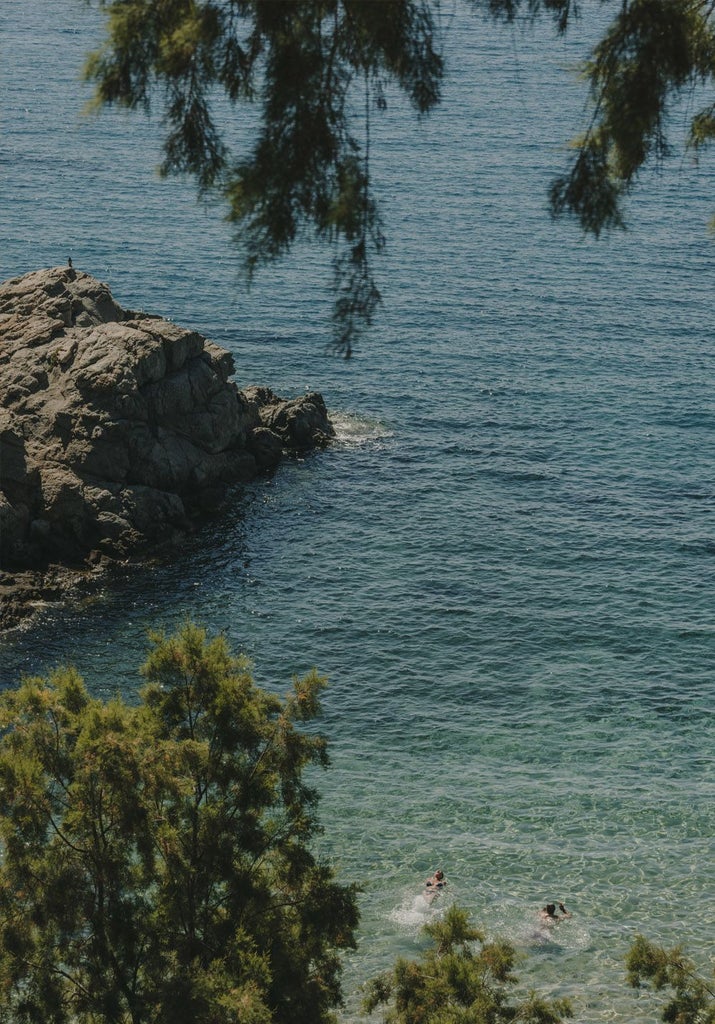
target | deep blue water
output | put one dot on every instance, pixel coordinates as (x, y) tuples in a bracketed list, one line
[(505, 564)]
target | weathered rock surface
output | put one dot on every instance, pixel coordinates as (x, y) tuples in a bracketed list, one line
[(117, 426)]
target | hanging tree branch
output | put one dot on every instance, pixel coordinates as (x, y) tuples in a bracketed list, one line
[(306, 168)]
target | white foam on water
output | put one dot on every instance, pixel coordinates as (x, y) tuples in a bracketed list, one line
[(355, 431), (415, 911)]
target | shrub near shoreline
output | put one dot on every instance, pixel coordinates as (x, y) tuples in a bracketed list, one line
[(156, 860)]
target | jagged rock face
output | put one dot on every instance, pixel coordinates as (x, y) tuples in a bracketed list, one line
[(116, 425)]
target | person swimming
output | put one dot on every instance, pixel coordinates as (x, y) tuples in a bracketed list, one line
[(437, 881), (549, 916), (434, 886)]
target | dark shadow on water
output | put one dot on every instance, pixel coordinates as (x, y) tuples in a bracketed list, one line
[(128, 600)]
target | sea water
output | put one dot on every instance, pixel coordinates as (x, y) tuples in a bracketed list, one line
[(504, 564)]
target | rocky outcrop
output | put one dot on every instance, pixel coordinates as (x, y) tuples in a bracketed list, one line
[(118, 427)]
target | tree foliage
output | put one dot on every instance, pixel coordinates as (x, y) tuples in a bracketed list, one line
[(156, 866), (318, 71), (156, 859), (460, 979), (651, 53), (317, 68), (691, 999)]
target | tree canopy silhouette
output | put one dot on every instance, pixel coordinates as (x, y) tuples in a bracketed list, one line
[(318, 72)]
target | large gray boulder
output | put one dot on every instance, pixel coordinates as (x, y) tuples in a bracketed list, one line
[(118, 427)]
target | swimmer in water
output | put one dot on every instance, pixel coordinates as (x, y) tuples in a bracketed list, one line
[(549, 916), (437, 881)]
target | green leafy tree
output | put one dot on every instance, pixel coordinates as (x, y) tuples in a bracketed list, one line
[(691, 999), (460, 979), (319, 70), (651, 53), (156, 859)]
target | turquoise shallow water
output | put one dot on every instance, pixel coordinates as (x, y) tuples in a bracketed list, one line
[(505, 563)]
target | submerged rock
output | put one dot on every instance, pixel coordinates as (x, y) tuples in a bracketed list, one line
[(117, 427)]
